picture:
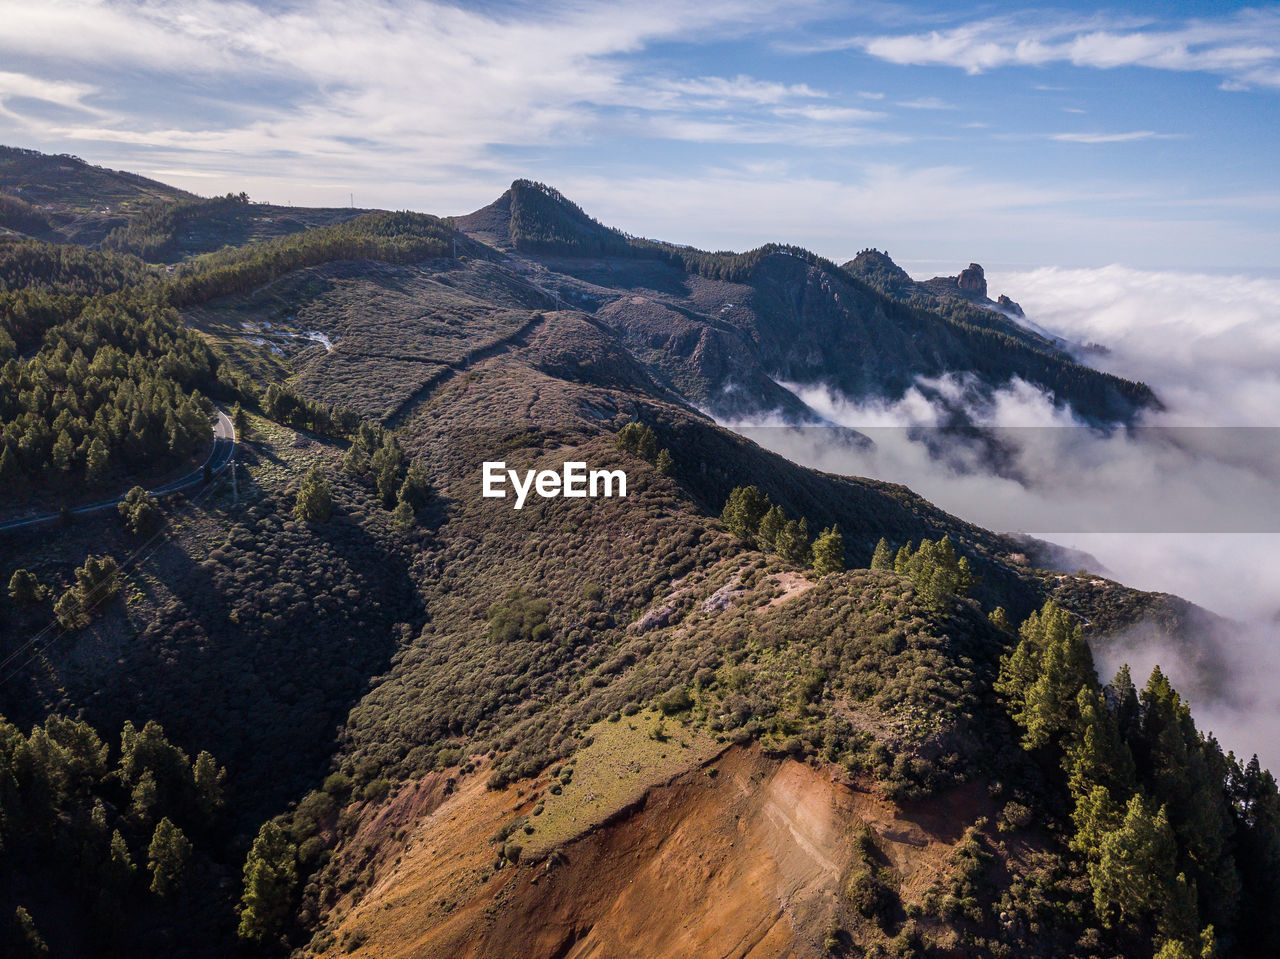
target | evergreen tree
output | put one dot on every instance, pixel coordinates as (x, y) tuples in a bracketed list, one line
[(69, 611), (140, 512), (402, 516), (240, 422), (270, 874), (167, 857), (793, 542), (882, 558), (416, 489), (828, 551), (665, 463), (1135, 879), (314, 503), (10, 471), (95, 462), (208, 778), (743, 511), (25, 589), (1000, 620), (771, 527), (1185, 773), (1257, 843), (1042, 676), (25, 939), (902, 559)]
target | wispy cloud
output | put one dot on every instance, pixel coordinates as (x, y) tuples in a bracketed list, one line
[(366, 81), (1130, 137), (927, 103), (1244, 47)]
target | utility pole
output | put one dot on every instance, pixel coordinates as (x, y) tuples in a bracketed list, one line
[(353, 201), (235, 485)]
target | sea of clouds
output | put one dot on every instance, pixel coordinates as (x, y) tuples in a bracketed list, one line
[(1188, 503)]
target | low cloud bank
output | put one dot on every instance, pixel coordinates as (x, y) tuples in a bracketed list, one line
[(1188, 504)]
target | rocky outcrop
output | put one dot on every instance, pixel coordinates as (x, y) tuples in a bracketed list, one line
[(973, 280), (1009, 306)]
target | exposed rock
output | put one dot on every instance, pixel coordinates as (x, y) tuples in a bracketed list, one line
[(973, 280), (1009, 305)]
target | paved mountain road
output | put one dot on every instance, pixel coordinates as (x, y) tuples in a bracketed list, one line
[(224, 447)]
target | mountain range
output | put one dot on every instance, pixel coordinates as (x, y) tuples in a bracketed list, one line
[(390, 717)]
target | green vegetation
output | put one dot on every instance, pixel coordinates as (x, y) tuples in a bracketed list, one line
[(828, 551), (389, 237), (114, 386), (752, 517), (315, 500), (152, 233), (97, 583), (81, 814), (141, 513), (270, 874), (1170, 829), (25, 589), (933, 566)]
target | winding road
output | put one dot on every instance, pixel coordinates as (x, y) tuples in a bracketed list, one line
[(224, 448)]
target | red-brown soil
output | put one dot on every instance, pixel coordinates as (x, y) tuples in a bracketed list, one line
[(748, 860)]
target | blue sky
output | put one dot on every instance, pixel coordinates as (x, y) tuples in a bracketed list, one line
[(1018, 137)]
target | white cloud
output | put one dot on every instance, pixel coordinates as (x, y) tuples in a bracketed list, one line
[(1130, 137), (368, 85), (1244, 47), (927, 103), (720, 89), (57, 92), (1210, 347)]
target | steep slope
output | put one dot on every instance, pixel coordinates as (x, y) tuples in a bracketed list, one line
[(742, 856)]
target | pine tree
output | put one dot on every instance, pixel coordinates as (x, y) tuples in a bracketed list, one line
[(828, 551), (270, 874), (665, 463), (1000, 620), (240, 422), (141, 513), (402, 516), (882, 558), (10, 471), (25, 588), (69, 610), (27, 943), (770, 527), (167, 857), (95, 462), (1135, 878), (314, 503), (793, 542), (902, 559), (208, 778), (1042, 676), (743, 511)]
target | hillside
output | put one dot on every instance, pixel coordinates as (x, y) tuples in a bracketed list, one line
[(394, 717), (724, 329), (65, 199)]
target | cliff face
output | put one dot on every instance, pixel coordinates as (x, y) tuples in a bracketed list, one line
[(972, 280)]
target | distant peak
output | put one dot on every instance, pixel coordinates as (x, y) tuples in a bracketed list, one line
[(872, 261)]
